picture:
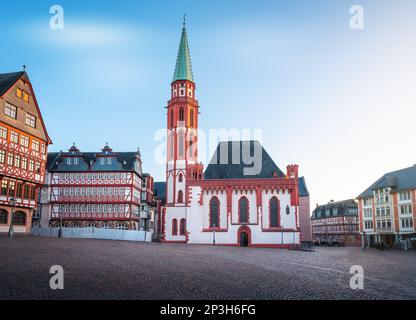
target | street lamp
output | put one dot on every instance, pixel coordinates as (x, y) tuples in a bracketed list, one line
[(11, 229), (60, 224), (283, 230), (213, 234)]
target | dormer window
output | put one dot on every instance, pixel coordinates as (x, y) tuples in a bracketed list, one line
[(68, 161), (76, 161)]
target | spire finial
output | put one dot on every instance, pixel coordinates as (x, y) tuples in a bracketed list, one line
[(24, 67), (184, 20)]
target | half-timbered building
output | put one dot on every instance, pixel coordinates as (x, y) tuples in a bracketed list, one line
[(102, 190), (233, 202), (23, 151)]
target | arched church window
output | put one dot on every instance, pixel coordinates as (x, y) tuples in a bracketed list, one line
[(274, 207), (191, 146), (214, 213), (174, 227), (191, 116), (180, 197), (182, 228), (181, 115), (180, 179), (171, 145), (181, 145), (243, 210), (287, 210)]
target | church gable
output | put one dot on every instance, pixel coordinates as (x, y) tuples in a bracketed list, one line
[(19, 107), (242, 160)]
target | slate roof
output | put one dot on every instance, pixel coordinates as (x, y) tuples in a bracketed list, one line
[(160, 191), (303, 190), (400, 180), (342, 209), (7, 80), (126, 162), (222, 165), (183, 69)]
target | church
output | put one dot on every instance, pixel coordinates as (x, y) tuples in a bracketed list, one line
[(242, 198)]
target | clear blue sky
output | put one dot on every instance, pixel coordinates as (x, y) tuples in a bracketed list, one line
[(339, 103)]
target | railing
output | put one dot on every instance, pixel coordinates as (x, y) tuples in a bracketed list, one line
[(95, 233)]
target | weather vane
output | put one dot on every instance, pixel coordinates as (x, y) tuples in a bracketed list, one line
[(184, 20)]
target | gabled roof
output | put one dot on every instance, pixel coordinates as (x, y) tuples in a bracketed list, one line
[(7, 80), (183, 69), (255, 164), (342, 209), (404, 179)]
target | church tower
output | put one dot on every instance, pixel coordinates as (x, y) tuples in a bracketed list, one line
[(182, 126), (182, 135)]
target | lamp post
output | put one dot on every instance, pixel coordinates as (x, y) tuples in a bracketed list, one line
[(11, 229), (213, 234), (283, 230), (60, 224)]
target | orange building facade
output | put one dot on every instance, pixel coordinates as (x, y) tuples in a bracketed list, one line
[(23, 152)]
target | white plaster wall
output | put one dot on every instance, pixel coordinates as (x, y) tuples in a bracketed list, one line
[(174, 213), (198, 219)]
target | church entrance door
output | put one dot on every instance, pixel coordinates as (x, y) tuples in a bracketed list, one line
[(243, 239), (244, 236)]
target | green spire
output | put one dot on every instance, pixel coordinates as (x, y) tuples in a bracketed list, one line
[(183, 70)]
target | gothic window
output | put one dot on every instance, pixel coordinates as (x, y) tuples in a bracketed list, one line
[(287, 210), (181, 115), (171, 146), (19, 218), (180, 179), (243, 210), (214, 213), (191, 116), (274, 212), (180, 197), (174, 227), (3, 216), (181, 145), (183, 227)]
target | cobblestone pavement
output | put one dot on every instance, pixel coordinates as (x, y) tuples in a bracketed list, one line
[(126, 270)]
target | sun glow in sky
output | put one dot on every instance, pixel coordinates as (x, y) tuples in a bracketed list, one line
[(340, 103)]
